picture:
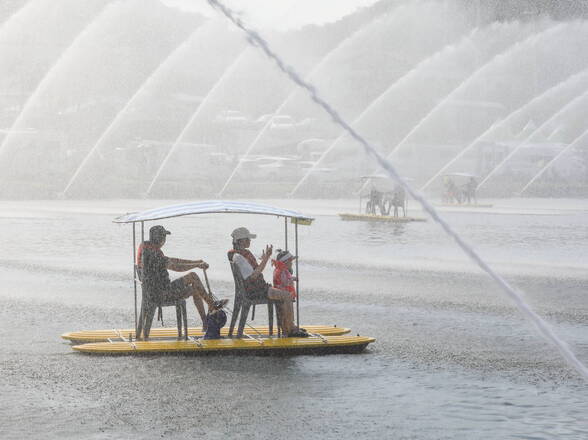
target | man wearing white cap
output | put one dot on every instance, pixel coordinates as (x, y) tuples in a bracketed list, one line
[(255, 284)]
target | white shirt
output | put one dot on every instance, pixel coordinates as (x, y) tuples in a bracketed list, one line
[(243, 265)]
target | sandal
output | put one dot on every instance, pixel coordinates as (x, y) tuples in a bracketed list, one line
[(298, 334), (221, 303)]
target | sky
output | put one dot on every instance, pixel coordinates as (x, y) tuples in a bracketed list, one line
[(279, 14)]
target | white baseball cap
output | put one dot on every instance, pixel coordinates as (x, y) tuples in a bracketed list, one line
[(284, 256), (241, 233)]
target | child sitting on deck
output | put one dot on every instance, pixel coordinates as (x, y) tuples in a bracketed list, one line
[(283, 278)]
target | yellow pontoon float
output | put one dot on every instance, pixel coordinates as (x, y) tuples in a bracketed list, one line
[(464, 205), (314, 344), (322, 340), (109, 335), (380, 218)]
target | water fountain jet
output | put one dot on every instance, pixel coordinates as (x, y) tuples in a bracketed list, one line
[(568, 86), (525, 142), (228, 71), (374, 104), (505, 47), (517, 47), (28, 6), (176, 54), (322, 62), (19, 20), (400, 15), (549, 164), (53, 71)]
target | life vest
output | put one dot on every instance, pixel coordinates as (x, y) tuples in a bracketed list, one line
[(246, 253), (281, 268), (253, 284), (142, 247), (157, 249)]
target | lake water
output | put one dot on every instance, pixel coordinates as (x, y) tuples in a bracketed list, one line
[(453, 357)]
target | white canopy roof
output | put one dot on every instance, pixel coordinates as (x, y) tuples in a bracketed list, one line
[(208, 207)]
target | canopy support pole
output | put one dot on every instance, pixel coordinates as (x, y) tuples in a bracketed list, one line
[(286, 232), (297, 274), (135, 274)]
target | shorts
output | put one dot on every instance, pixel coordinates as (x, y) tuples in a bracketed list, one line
[(178, 289), (258, 294)]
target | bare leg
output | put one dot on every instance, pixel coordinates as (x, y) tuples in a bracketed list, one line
[(198, 293), (201, 311), (286, 309)]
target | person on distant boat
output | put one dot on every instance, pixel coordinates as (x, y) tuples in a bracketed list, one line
[(398, 200), (470, 191), (153, 268), (453, 194), (375, 201), (283, 278), (445, 195), (255, 284)]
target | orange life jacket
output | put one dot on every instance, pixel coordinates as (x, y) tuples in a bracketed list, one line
[(142, 247), (147, 245), (282, 269)]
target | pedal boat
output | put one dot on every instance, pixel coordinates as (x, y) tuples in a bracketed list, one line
[(255, 340), (380, 185), (452, 202)]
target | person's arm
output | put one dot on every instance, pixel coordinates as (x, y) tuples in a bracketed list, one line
[(265, 256), (181, 265)]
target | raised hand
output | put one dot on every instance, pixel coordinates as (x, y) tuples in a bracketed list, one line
[(267, 252)]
